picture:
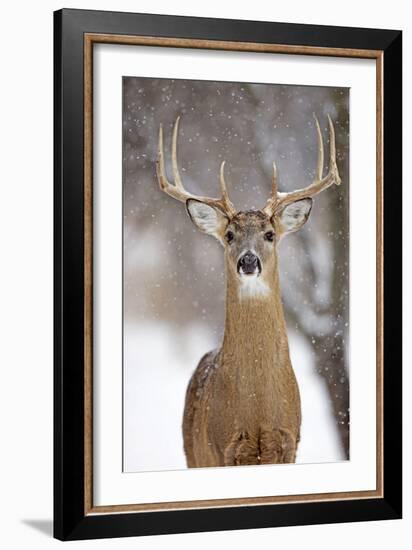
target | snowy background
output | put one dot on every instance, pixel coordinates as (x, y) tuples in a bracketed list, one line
[(173, 274)]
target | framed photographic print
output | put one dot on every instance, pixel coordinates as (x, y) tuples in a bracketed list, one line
[(227, 274)]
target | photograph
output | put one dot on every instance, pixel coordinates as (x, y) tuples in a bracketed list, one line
[(235, 274)]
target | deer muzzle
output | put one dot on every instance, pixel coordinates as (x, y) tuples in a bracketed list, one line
[(249, 264)]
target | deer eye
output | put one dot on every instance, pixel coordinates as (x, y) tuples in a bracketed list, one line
[(269, 236), (229, 237)]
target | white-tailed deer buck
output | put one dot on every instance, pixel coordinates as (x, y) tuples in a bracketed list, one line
[(242, 403)]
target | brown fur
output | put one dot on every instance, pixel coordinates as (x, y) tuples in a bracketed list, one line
[(242, 403)]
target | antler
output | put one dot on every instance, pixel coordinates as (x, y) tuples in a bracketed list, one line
[(176, 190), (278, 201)]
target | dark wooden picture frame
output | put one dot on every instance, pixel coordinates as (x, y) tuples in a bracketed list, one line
[(75, 33)]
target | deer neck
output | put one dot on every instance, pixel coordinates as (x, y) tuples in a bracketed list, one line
[(255, 329)]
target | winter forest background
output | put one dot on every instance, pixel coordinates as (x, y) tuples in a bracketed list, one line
[(173, 274)]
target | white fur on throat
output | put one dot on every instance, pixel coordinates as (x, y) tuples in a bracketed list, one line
[(252, 286)]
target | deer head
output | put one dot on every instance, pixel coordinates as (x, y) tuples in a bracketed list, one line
[(250, 237)]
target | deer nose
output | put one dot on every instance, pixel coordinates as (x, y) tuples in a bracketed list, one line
[(248, 264)]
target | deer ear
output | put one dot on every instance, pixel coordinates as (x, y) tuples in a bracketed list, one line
[(208, 219), (295, 215)]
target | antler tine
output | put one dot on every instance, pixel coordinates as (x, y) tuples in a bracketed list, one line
[(176, 189), (225, 197), (275, 181), (176, 175), (319, 171), (319, 184), (273, 199), (160, 164), (164, 184), (332, 155)]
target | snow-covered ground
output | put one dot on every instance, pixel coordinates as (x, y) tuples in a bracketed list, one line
[(158, 363)]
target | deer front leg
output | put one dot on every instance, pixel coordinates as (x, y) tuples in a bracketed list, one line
[(277, 446), (242, 450)]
